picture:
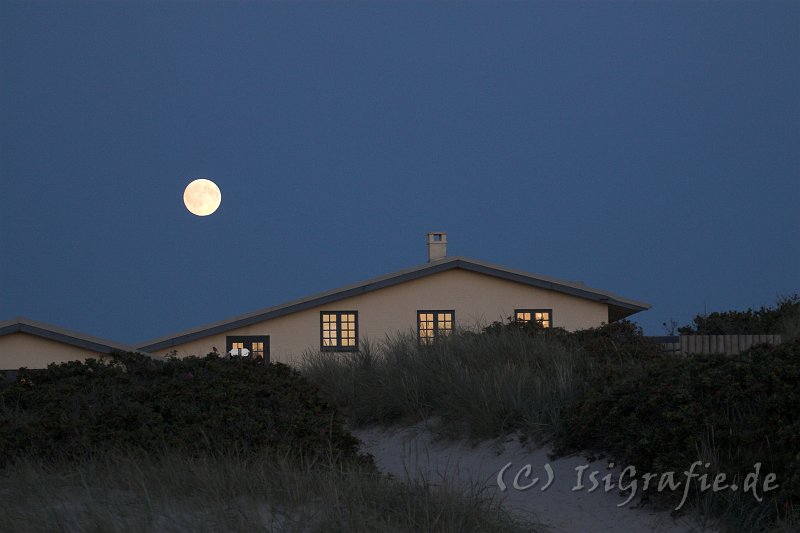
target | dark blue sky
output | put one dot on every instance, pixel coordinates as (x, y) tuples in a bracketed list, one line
[(650, 149)]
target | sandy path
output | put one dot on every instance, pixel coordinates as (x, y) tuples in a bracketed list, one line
[(412, 451)]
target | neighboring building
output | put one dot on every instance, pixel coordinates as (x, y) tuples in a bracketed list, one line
[(431, 300), (26, 343)]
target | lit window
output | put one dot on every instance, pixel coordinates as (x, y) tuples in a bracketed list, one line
[(258, 350), (432, 325), (256, 345), (543, 316), (339, 331)]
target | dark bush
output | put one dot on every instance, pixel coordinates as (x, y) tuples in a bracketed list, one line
[(764, 321), (661, 414), (614, 341), (198, 405)]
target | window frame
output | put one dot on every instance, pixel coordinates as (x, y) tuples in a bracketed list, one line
[(435, 313), (338, 347), (532, 312), (248, 339)]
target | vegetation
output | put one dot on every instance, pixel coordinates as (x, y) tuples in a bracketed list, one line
[(728, 411), (197, 405), (508, 378), (211, 443), (482, 386), (178, 492), (606, 389), (782, 319), (202, 444)]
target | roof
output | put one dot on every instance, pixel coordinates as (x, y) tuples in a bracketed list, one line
[(54, 333), (618, 306)]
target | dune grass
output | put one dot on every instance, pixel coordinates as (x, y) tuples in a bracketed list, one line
[(600, 392), (175, 492), (202, 444), (478, 386)]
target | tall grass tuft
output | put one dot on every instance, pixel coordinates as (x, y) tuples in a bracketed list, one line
[(177, 492), (477, 385), (605, 390)]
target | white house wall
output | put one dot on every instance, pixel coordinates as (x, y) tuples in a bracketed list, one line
[(25, 350), (477, 299)]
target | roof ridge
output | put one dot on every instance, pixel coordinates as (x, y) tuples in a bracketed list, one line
[(625, 305), (21, 324)]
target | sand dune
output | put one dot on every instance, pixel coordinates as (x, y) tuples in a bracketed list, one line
[(413, 452)]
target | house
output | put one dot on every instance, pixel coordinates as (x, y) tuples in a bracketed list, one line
[(31, 344), (430, 299)]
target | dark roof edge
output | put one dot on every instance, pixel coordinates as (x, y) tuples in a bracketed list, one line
[(292, 307), (74, 338), (621, 306), (581, 291)]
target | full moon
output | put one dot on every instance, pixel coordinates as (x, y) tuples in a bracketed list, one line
[(202, 197)]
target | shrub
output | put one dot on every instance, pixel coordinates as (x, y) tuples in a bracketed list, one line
[(198, 405), (617, 341), (613, 341), (662, 414), (782, 319)]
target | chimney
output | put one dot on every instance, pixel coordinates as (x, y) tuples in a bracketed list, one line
[(437, 245)]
